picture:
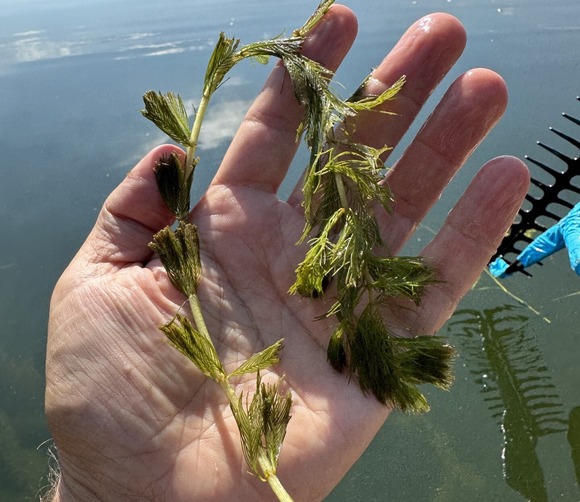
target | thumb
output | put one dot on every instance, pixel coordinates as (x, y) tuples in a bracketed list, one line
[(129, 218)]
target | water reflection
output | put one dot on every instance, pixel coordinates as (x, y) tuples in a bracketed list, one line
[(574, 439), (70, 68), (517, 387), (40, 45)]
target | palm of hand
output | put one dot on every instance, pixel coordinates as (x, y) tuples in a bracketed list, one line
[(132, 418), (150, 410)]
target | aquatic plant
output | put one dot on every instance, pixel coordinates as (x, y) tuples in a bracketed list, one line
[(518, 390), (341, 188)]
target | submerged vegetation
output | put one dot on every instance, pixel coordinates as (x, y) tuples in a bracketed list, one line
[(342, 189)]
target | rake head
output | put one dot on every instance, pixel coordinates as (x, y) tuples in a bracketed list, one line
[(549, 202)]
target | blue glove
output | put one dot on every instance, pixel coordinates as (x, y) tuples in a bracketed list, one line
[(498, 268)]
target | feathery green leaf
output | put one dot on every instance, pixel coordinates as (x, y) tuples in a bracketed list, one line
[(404, 276), (222, 60), (179, 252), (314, 19), (269, 412), (197, 348), (360, 101), (174, 184), (263, 426), (168, 113), (260, 361)]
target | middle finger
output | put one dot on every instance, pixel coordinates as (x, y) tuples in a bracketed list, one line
[(424, 54)]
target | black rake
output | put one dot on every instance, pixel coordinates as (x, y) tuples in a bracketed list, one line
[(547, 201)]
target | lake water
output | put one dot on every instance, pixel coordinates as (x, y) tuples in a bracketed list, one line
[(72, 74)]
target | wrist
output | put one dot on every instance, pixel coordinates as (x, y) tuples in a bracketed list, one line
[(50, 495), (59, 490), (63, 492)]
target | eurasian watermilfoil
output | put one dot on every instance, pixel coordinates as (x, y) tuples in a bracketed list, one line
[(342, 189)]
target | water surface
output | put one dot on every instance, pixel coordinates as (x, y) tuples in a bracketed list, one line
[(71, 79)]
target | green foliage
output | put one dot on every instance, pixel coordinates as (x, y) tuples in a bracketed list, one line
[(167, 111), (178, 250), (343, 186), (174, 184), (263, 427), (195, 346), (222, 60), (392, 367), (260, 361), (314, 19), (399, 276)]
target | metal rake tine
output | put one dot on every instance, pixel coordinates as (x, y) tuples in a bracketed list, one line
[(555, 152), (569, 139), (543, 166), (540, 184), (546, 205), (569, 117)]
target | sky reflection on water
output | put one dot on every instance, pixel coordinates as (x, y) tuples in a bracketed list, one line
[(71, 79)]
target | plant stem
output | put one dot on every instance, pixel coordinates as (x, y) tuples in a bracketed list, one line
[(269, 471), (193, 139), (198, 316), (341, 191), (273, 481)]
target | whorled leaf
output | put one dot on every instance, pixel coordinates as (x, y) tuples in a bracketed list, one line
[(174, 184), (335, 351), (426, 360), (179, 253), (260, 361), (269, 412), (196, 347), (168, 113), (314, 269), (262, 426), (350, 254), (314, 19), (391, 368), (360, 169), (400, 276), (361, 101), (222, 60)]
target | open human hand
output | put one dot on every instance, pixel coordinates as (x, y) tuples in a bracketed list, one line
[(132, 419)]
